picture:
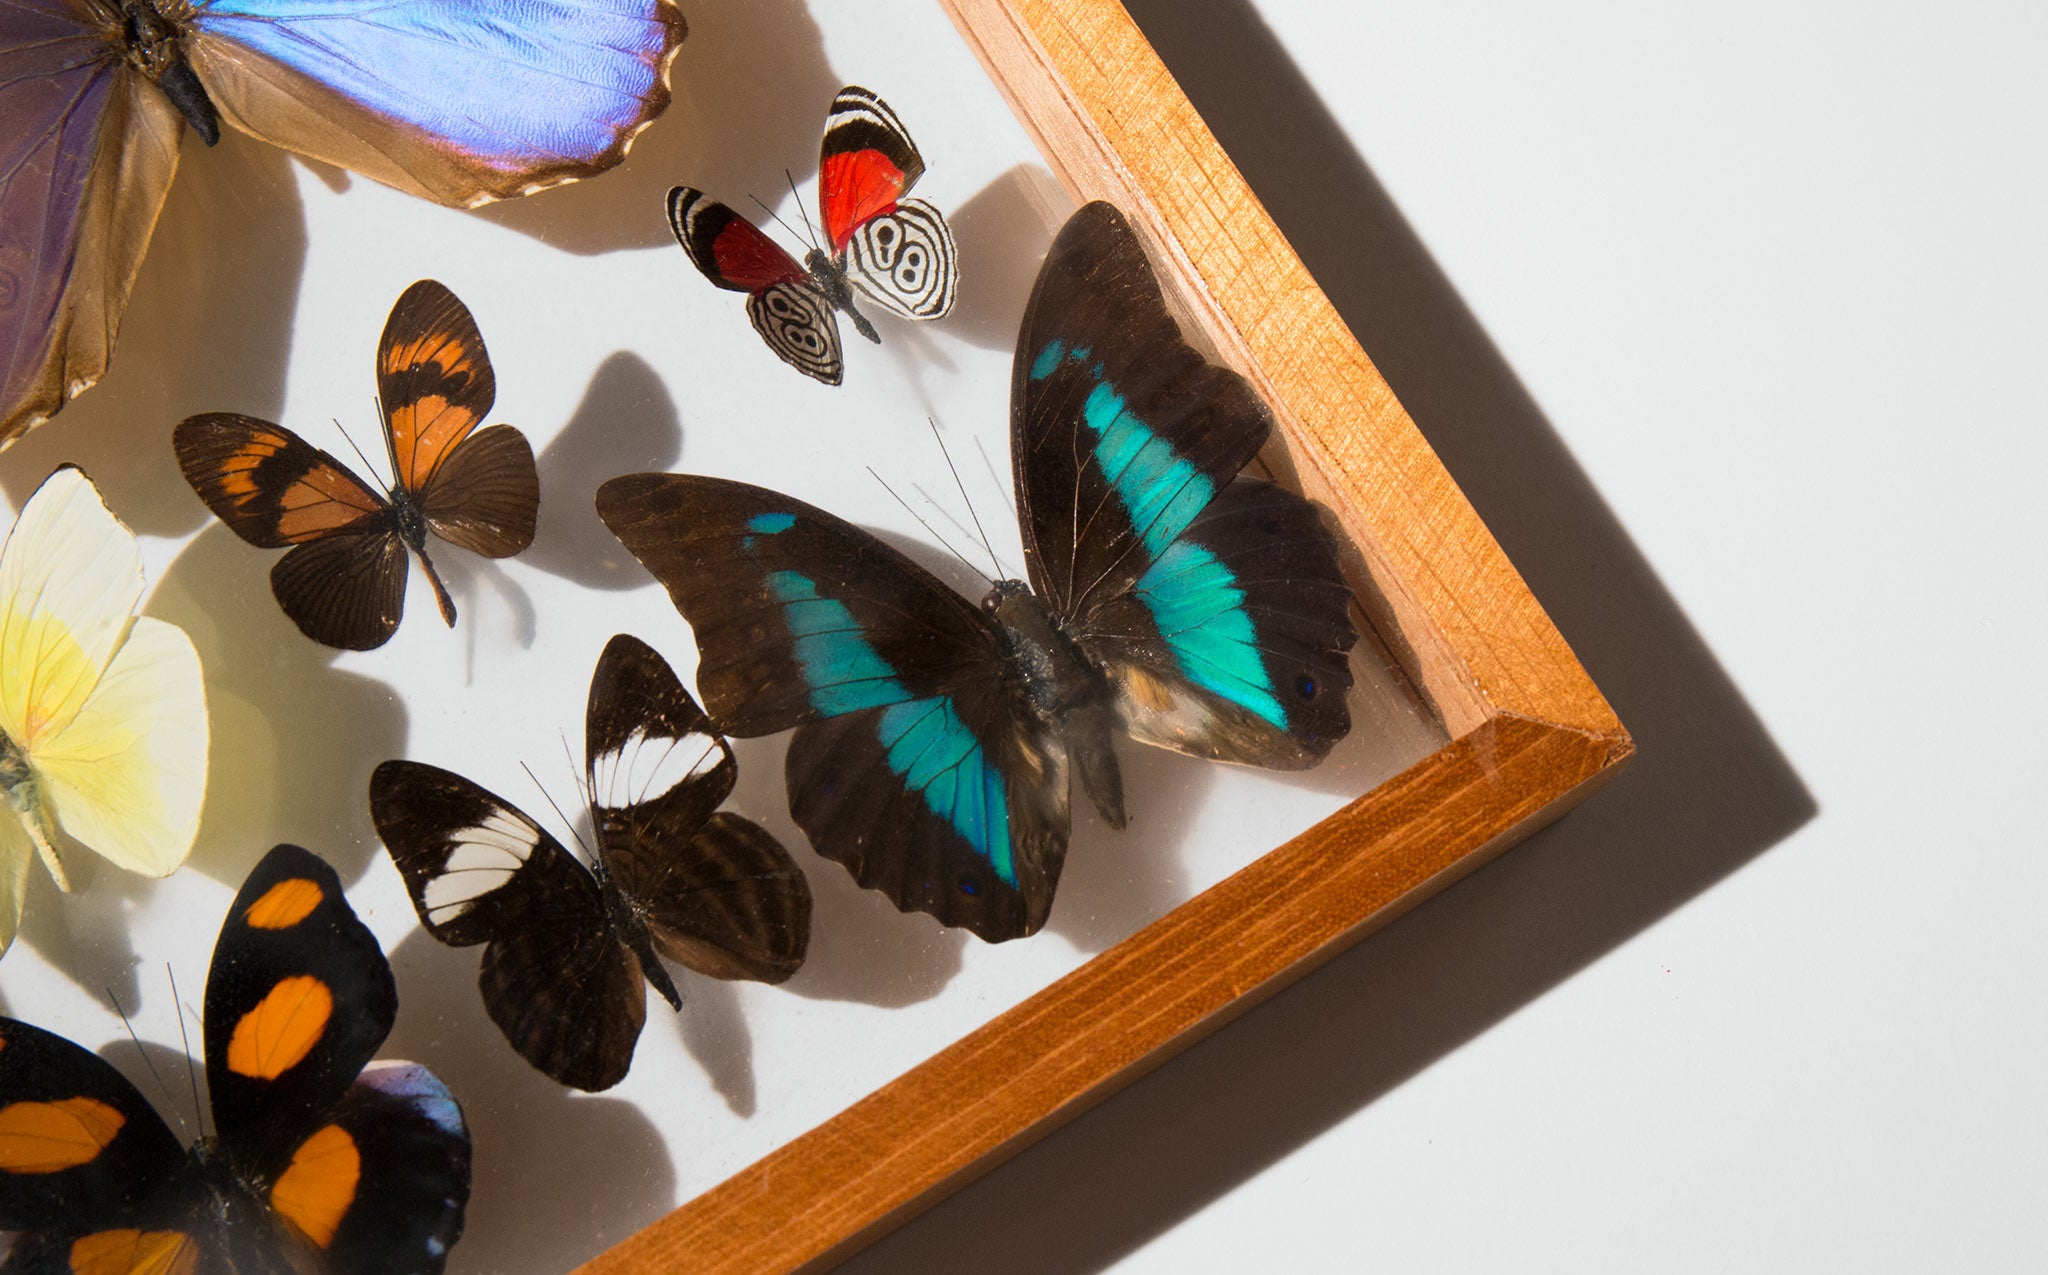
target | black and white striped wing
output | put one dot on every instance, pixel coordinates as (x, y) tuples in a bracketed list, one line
[(556, 980), (719, 894), (795, 319), (906, 260)]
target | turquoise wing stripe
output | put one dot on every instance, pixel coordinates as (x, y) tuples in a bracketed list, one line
[(1199, 609), (926, 743)]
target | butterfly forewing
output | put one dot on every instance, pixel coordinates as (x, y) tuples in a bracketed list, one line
[(730, 250), (79, 1147), (433, 378), (528, 95), (271, 486), (866, 163), (90, 152), (647, 742), (1120, 432), (1216, 608), (297, 1000)]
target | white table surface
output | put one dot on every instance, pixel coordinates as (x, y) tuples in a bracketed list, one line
[(1731, 322)]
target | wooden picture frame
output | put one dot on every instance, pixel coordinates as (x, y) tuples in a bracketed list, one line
[(1529, 734)]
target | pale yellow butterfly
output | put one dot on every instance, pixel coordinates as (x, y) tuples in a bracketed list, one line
[(102, 711)]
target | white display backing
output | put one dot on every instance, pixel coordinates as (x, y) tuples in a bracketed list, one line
[(264, 293)]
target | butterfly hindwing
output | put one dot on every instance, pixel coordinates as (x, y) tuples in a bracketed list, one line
[(88, 162), (485, 497), (906, 260), (1216, 607), (564, 990), (382, 1184), (298, 998), (720, 894), (917, 770)]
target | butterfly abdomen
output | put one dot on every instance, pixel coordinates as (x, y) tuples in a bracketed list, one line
[(831, 281), (154, 44), (1069, 696)]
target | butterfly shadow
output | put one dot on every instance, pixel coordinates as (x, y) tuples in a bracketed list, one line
[(751, 87), (169, 1079), (862, 948), (208, 328), (480, 587), (1003, 232), (84, 935), (627, 421), (1708, 791), (559, 1175), (293, 737)]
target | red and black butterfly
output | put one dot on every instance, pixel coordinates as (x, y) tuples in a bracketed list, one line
[(899, 252), (317, 1162), (343, 583), (673, 876)]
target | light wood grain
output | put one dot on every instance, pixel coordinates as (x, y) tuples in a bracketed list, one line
[(1531, 734)]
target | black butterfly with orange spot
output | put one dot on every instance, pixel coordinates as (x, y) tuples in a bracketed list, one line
[(320, 1160), (343, 583)]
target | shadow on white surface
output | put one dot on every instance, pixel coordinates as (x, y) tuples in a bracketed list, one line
[(1708, 791)]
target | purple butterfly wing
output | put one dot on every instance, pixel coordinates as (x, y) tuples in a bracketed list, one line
[(461, 103), (87, 155)]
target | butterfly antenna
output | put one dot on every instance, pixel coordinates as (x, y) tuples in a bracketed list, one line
[(357, 450), (811, 238), (778, 219), (993, 477), (549, 797), (170, 1104), (928, 527), (962, 489), (185, 1042)]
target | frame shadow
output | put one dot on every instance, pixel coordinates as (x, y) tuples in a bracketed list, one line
[(1708, 791)]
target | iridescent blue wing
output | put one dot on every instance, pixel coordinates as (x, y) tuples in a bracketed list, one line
[(462, 103), (1214, 603), (913, 763), (87, 154)]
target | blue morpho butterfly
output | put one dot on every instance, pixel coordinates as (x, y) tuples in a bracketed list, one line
[(458, 102), (1193, 608)]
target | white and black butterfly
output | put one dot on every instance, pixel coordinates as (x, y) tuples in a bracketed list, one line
[(672, 876), (896, 251)]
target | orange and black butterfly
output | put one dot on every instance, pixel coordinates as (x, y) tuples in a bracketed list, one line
[(317, 1161), (343, 583)]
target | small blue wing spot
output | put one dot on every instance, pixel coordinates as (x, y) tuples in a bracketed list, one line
[(968, 887), (1083, 351), (770, 524), (1306, 686), (1048, 359)]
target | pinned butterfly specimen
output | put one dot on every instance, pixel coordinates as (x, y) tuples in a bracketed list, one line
[(1190, 607), (320, 1160), (459, 103), (102, 712), (673, 876), (897, 251), (343, 583)]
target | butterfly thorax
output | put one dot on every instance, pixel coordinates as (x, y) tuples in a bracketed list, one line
[(408, 518), (831, 280), (151, 34), (1066, 692), (16, 776), (627, 919)]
